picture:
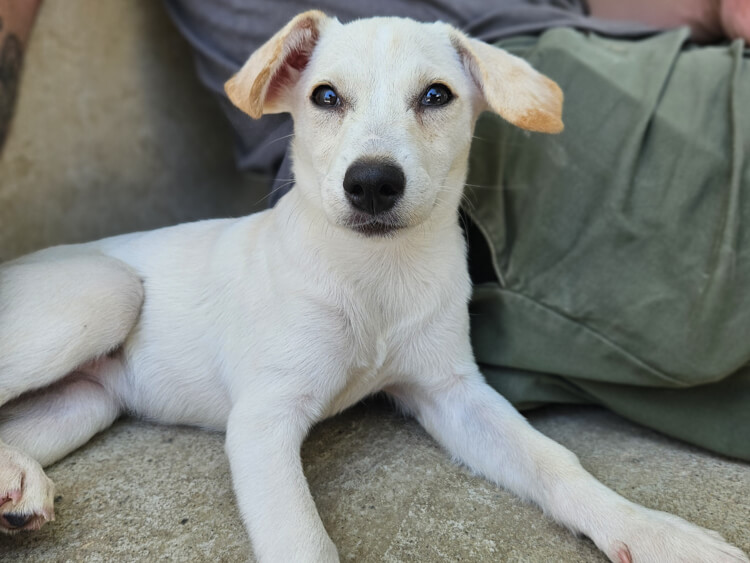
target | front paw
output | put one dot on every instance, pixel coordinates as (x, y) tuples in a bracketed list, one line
[(297, 553), (650, 536)]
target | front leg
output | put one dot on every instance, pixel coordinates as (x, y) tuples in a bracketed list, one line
[(264, 437), (483, 430)]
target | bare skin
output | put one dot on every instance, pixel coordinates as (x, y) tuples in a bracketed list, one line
[(709, 20), (735, 18)]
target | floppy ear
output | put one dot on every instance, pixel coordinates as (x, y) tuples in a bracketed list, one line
[(259, 85), (511, 87)]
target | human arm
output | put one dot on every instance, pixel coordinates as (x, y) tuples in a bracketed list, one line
[(16, 20), (709, 20)]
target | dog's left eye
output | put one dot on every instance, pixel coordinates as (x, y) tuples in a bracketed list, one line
[(436, 95), (325, 97)]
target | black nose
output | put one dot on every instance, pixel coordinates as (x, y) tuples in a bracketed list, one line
[(374, 187)]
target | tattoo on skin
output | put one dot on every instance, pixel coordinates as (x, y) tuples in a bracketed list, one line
[(11, 54)]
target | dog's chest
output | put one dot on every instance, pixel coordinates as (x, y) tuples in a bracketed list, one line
[(379, 330), (367, 375)]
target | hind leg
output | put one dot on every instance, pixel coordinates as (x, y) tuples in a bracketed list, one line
[(50, 423), (43, 426), (57, 312)]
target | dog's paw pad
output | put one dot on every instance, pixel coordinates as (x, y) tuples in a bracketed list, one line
[(14, 521)]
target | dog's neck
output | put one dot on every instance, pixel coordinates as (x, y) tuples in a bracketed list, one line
[(417, 269)]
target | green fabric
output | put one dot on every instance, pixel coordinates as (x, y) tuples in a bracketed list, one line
[(621, 247)]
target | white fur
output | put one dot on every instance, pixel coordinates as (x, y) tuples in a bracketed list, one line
[(265, 325)]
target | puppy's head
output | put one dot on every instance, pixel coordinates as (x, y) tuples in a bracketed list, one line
[(384, 110)]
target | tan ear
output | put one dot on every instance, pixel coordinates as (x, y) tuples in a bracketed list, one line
[(511, 87), (259, 85)]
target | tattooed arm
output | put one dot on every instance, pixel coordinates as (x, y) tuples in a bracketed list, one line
[(16, 18)]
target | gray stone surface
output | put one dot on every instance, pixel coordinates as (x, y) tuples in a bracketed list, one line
[(385, 491)]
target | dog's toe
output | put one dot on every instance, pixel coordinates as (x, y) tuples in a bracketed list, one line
[(623, 554), (650, 536)]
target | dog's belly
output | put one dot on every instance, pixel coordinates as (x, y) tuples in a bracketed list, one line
[(173, 390)]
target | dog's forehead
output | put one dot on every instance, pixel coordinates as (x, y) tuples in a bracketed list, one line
[(386, 46)]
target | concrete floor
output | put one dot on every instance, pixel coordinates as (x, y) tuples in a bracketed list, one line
[(385, 490)]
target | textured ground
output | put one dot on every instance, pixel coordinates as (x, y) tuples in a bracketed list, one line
[(385, 490)]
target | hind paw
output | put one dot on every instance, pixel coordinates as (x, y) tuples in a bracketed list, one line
[(26, 493)]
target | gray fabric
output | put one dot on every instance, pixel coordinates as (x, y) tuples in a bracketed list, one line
[(223, 33)]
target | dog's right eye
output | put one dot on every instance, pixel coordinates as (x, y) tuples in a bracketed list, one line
[(436, 95), (325, 97)]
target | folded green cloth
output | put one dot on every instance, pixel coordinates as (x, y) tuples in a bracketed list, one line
[(620, 249)]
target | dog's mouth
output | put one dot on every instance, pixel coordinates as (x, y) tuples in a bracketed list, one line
[(372, 226)]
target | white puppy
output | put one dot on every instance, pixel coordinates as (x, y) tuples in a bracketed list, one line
[(355, 283)]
